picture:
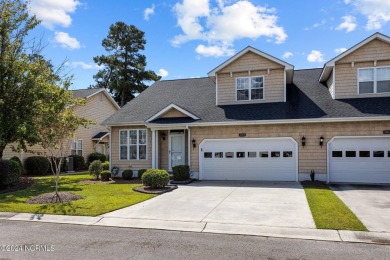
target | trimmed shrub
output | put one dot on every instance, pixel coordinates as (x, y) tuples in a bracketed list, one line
[(106, 166), (105, 175), (16, 159), (155, 178), (127, 174), (96, 156), (36, 165), (10, 173), (140, 172), (78, 162), (95, 168), (181, 172)]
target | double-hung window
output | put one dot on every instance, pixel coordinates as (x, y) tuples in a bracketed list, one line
[(77, 147), (132, 144), (374, 80), (250, 88)]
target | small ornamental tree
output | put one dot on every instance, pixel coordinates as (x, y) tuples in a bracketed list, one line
[(61, 125)]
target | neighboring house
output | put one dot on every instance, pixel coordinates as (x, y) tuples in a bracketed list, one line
[(256, 118), (99, 106)]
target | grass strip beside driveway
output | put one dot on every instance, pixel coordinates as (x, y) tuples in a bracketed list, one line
[(99, 198), (328, 211)]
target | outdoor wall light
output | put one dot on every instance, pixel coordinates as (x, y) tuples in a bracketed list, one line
[(193, 143), (303, 141), (163, 136), (321, 141)]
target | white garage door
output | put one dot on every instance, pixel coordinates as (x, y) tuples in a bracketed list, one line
[(267, 159), (359, 159)]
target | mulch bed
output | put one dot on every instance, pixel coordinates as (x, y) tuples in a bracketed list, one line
[(316, 184), (48, 198), (145, 189), (24, 183)]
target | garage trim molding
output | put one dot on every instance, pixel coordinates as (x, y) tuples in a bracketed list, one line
[(343, 137), (241, 139)]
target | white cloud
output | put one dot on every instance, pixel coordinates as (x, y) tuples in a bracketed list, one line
[(83, 65), (377, 12), (220, 25), (148, 12), (315, 56), (287, 55), (163, 73), (340, 50), (349, 24), (66, 41), (319, 24), (54, 12)]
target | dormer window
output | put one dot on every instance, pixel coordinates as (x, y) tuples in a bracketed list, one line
[(374, 80), (250, 88)]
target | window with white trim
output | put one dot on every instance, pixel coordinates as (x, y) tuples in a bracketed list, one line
[(77, 147), (250, 88), (374, 80), (133, 144)]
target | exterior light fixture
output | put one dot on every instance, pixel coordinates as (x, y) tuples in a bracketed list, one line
[(193, 143), (321, 141), (163, 136), (303, 141)]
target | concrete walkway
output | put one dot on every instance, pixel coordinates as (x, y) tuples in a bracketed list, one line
[(202, 227), (274, 204)]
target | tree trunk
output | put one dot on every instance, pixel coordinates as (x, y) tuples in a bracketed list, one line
[(1, 152), (123, 98)]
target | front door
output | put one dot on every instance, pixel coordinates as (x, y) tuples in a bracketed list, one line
[(176, 149)]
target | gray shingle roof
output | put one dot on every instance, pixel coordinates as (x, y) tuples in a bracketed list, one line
[(83, 93), (306, 99)]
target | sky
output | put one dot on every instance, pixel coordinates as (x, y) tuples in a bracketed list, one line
[(189, 38)]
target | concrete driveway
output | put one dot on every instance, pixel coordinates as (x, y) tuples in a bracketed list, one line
[(370, 203), (279, 204)]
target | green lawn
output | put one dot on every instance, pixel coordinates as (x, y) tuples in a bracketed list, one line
[(98, 198), (328, 211)]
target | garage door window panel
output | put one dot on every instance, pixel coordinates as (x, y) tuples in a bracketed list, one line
[(364, 154), (240, 155), (229, 155), (337, 154), (350, 154), (287, 154), (275, 154), (218, 155), (208, 155), (379, 153), (263, 154), (252, 154)]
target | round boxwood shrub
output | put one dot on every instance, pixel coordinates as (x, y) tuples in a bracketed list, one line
[(105, 175), (140, 172), (155, 178), (95, 168), (181, 172), (106, 166), (78, 162), (127, 174), (96, 156), (36, 165), (10, 172), (16, 159)]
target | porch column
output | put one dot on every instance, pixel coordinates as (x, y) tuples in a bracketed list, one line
[(189, 148), (157, 149), (153, 148)]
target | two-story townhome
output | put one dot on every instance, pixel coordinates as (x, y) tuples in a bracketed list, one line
[(256, 118), (99, 106)]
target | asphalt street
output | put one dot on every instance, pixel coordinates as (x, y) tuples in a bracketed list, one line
[(31, 240)]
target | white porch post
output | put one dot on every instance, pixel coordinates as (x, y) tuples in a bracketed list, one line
[(157, 149), (189, 148), (153, 148)]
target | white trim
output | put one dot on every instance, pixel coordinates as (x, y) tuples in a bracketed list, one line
[(157, 148), (216, 89), (153, 149), (99, 139), (169, 107), (250, 87), (189, 144), (243, 52), (254, 139), (170, 148), (332, 62), (110, 149), (344, 137), (107, 95), (334, 82), (285, 86), (375, 80)]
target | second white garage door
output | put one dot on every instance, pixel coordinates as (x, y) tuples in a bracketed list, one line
[(266, 159)]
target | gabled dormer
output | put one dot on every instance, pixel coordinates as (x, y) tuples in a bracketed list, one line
[(361, 71), (252, 76)]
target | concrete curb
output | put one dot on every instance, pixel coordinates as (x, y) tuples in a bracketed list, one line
[(203, 227)]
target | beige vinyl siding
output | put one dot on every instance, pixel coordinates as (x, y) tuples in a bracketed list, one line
[(97, 108), (163, 150), (311, 157), (129, 164), (258, 66), (173, 113), (330, 85), (347, 75)]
